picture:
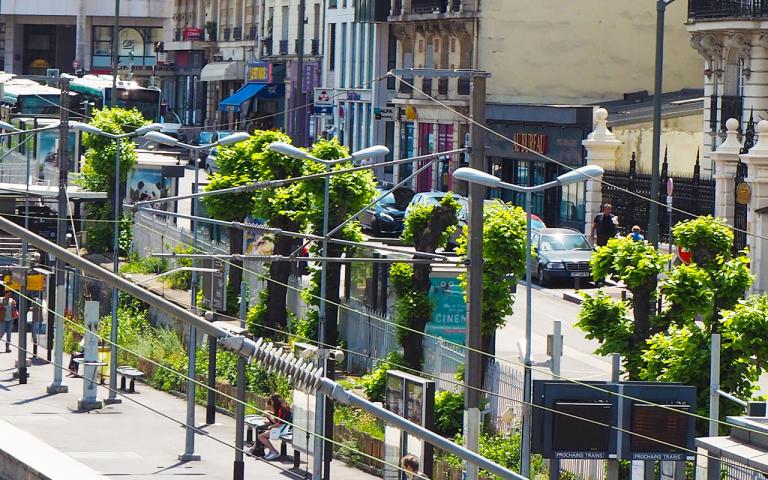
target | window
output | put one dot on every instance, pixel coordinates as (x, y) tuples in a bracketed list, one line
[(572, 202), (332, 46), (136, 45)]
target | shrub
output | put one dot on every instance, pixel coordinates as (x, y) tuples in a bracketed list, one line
[(375, 383), (449, 413)]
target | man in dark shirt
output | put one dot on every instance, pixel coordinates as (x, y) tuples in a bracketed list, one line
[(604, 226)]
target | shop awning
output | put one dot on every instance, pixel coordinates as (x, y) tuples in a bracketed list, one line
[(218, 71), (233, 102)]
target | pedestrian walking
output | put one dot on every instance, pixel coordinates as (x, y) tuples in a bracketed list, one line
[(9, 314), (636, 235), (605, 226)]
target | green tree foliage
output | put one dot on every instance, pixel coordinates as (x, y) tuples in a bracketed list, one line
[(699, 299), (427, 228), (348, 193), (375, 383), (99, 173), (449, 408)]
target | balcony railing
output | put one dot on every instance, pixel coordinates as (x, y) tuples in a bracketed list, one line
[(283, 47), (426, 85), (227, 34), (237, 33), (315, 47), (435, 6), (714, 9), (267, 44), (253, 32)]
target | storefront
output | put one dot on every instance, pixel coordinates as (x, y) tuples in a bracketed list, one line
[(188, 94), (540, 131), (256, 104)]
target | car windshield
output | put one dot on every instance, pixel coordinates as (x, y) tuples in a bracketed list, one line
[(206, 137), (563, 242), (399, 199)]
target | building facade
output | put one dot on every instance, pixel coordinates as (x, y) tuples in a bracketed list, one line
[(77, 34)]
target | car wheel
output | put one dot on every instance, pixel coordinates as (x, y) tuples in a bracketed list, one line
[(542, 277)]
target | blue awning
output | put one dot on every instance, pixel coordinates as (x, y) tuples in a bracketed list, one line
[(233, 102)]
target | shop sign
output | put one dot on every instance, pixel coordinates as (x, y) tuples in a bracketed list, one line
[(410, 113), (527, 142), (449, 315), (388, 114), (191, 33), (131, 43), (323, 101), (258, 72)]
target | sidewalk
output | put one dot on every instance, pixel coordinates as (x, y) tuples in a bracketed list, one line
[(128, 440)]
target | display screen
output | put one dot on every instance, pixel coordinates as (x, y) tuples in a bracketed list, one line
[(659, 422), (577, 431)]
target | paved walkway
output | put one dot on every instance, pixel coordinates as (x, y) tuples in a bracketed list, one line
[(129, 440)]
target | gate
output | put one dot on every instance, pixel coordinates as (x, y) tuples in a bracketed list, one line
[(740, 210), (629, 193)]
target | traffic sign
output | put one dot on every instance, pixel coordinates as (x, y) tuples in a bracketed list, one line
[(684, 255)]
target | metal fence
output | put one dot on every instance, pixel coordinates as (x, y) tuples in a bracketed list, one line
[(368, 333), (628, 192), (146, 238)]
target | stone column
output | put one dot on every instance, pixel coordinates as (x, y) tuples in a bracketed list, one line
[(726, 157), (757, 209), (601, 147)]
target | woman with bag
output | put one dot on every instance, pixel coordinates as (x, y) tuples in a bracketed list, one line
[(280, 418)]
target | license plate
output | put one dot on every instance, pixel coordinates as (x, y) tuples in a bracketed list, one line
[(581, 274)]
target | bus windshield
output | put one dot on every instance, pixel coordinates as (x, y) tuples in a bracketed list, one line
[(38, 104), (145, 100)]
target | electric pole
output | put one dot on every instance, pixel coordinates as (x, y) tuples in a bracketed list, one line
[(299, 124)]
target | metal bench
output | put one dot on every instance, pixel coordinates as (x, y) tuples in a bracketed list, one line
[(255, 422), (130, 373)]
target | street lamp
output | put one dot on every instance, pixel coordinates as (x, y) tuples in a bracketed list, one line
[(320, 414), (163, 139), (93, 130), (476, 176)]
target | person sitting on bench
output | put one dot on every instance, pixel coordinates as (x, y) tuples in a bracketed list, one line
[(280, 417), (73, 365)]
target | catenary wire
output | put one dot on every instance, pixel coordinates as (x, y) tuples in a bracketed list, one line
[(557, 162), (530, 404), (519, 364), (197, 382)]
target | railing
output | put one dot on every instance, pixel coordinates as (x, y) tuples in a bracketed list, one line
[(268, 47), (315, 47), (237, 33), (714, 9), (429, 6), (227, 34), (283, 47)]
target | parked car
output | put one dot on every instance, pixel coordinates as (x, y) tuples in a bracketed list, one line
[(208, 160), (171, 124), (387, 215), (561, 253)]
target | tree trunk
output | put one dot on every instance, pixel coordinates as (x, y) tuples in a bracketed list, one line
[(488, 343), (332, 295), (279, 272), (641, 306)]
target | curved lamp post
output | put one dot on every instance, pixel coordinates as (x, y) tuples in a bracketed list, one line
[(189, 444), (92, 130), (321, 416), (476, 176)]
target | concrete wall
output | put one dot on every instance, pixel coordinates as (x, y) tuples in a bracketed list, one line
[(682, 136), (582, 51)]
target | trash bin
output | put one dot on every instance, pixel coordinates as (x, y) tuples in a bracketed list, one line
[(104, 369)]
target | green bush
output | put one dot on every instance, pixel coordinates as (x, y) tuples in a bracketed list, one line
[(181, 280), (449, 413), (359, 421), (503, 450), (146, 265), (375, 383)]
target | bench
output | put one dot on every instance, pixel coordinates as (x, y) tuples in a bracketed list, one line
[(257, 422), (130, 373)]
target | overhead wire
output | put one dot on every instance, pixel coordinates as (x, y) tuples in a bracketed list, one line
[(557, 162), (185, 377), (296, 427), (465, 348)]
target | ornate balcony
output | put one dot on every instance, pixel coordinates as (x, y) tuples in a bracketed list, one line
[(727, 9)]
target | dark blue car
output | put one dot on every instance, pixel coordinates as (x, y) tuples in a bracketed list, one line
[(386, 216), (561, 253)]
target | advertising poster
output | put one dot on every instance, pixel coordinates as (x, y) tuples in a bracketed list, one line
[(148, 184), (449, 316)]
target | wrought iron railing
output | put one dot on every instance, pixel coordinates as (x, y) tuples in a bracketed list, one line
[(237, 33), (315, 47), (713, 9), (283, 47)]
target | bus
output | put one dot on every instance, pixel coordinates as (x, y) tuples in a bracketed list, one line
[(26, 97), (97, 90)]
